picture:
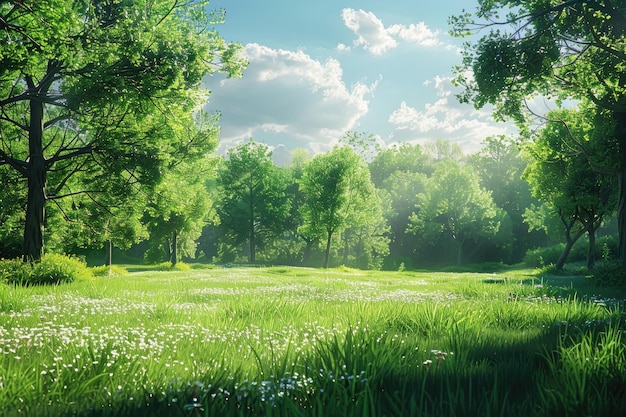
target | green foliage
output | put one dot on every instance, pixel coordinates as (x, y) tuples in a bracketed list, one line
[(340, 197), (454, 208), (51, 269), (105, 270), (168, 266), (539, 257), (609, 274), (100, 97), (539, 48), (253, 206)]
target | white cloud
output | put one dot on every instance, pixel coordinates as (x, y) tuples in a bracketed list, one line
[(418, 34), (287, 97), (445, 119), (370, 31), (375, 38)]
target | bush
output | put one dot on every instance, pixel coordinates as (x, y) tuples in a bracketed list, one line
[(167, 266), (609, 274), (51, 269), (13, 271), (103, 270), (606, 247)]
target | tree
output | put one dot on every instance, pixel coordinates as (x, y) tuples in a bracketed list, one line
[(297, 247), (400, 172), (253, 207), (97, 90), (562, 50), (403, 189), (563, 179), (178, 211), (454, 207), (337, 187), (442, 150), (398, 158), (500, 165)]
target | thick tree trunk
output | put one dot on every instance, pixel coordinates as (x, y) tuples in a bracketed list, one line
[(327, 253), (35, 204)]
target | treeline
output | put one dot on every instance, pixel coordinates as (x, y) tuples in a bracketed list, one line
[(406, 206)]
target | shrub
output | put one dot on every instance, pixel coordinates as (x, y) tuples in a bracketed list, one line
[(103, 270), (13, 271), (540, 257), (51, 269), (167, 266), (609, 274)]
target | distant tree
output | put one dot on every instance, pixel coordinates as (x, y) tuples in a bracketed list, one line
[(402, 188), (297, 247), (442, 150), (404, 157), (96, 90), (178, 211), (253, 207), (455, 207), (500, 166), (362, 143), (366, 241), (336, 185)]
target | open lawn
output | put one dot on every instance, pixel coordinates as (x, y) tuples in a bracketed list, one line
[(304, 342)]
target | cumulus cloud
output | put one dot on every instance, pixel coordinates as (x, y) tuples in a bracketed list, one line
[(377, 39), (287, 97), (370, 31), (445, 118)]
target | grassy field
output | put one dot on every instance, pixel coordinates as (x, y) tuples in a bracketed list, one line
[(304, 342)]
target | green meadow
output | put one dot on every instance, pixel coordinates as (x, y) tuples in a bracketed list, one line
[(306, 342)]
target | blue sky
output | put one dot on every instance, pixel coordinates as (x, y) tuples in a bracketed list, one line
[(320, 69)]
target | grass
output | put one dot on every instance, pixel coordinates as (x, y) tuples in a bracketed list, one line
[(304, 342)]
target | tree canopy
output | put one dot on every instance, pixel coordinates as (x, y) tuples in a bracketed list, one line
[(453, 206), (337, 187), (254, 206), (559, 50), (96, 96)]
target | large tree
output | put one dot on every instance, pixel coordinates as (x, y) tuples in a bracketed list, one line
[(97, 90), (337, 187), (562, 179), (253, 207), (571, 49)]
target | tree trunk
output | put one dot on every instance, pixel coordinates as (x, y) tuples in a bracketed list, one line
[(621, 210), (591, 253), (459, 253), (252, 240), (620, 134), (174, 254), (568, 248), (35, 205), (327, 253), (306, 256)]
